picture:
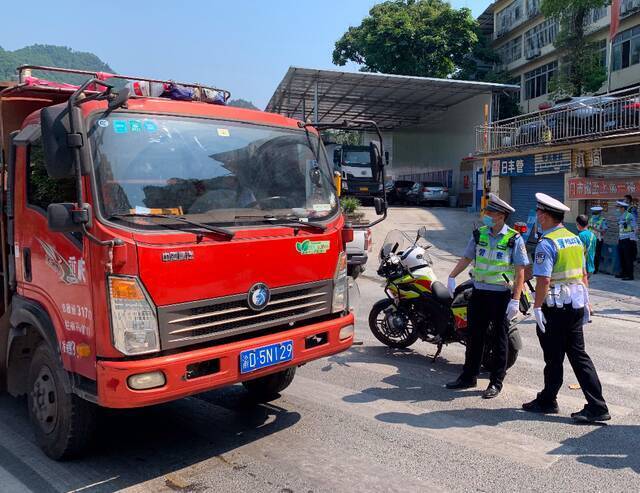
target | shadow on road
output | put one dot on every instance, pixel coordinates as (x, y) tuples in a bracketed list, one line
[(418, 378), (606, 446), (137, 445)]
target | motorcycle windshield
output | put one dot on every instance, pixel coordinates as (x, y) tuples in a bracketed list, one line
[(398, 241), (395, 242)]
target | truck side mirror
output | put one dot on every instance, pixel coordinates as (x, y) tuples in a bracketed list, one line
[(336, 157), (66, 218), (375, 160), (57, 142), (380, 205)]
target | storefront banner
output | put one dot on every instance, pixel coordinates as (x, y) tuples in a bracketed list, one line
[(530, 165), (603, 188)]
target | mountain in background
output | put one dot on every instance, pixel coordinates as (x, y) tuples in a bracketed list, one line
[(61, 56), (242, 103), (52, 56)]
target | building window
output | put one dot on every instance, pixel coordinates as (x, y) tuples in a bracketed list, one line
[(601, 48), (536, 82), (533, 8), (628, 7), (626, 49), (509, 17), (511, 51), (596, 14), (539, 36)]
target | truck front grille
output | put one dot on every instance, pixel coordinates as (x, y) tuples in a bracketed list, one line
[(218, 318)]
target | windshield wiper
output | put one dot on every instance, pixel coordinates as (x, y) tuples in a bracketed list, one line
[(285, 219), (221, 231)]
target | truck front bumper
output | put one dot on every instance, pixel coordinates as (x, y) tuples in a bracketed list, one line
[(114, 391)]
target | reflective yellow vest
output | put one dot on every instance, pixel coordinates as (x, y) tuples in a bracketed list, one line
[(568, 268), (492, 263)]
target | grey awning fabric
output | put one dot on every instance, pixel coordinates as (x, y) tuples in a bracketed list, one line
[(391, 100)]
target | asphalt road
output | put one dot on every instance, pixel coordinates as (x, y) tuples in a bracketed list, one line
[(371, 419)]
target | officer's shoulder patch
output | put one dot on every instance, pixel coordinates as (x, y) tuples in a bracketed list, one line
[(540, 257)]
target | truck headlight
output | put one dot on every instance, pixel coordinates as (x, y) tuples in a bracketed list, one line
[(134, 326), (340, 285)]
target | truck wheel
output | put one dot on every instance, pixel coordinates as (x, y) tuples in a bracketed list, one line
[(63, 423), (267, 388)]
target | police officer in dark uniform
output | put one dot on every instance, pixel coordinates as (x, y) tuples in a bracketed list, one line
[(497, 251), (561, 309)]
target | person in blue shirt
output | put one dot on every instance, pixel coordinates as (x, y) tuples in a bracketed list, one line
[(627, 240), (589, 241), (561, 308), (497, 251)]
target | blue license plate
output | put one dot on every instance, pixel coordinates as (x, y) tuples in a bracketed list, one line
[(273, 354)]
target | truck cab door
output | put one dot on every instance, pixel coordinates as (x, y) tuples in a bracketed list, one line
[(51, 267)]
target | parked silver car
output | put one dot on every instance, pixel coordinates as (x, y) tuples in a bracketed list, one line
[(428, 192)]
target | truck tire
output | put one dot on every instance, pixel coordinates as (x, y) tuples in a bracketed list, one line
[(268, 388), (63, 423)]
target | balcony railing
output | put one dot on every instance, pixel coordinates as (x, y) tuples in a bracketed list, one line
[(585, 118)]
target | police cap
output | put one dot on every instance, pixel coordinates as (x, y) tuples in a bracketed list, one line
[(496, 204), (547, 203)]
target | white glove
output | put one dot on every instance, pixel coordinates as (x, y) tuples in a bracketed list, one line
[(512, 309), (540, 320), (451, 285)]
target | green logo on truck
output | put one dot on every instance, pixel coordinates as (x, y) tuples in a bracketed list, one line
[(308, 247)]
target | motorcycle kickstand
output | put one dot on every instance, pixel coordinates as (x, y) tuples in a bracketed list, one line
[(438, 351)]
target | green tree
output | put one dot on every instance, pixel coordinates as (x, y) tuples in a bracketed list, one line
[(581, 69), (425, 38)]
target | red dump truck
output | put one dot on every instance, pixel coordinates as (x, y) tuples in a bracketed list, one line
[(157, 246)]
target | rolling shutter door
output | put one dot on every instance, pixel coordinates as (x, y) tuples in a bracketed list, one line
[(524, 188)]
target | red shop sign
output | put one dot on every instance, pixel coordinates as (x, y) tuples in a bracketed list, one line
[(603, 188)]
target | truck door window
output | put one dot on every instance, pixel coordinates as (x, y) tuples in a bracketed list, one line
[(41, 189)]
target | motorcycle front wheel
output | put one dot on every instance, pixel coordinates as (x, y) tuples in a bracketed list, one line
[(400, 335)]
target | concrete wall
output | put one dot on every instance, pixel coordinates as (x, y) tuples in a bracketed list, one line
[(443, 143)]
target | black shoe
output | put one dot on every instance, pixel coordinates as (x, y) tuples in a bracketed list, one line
[(586, 416), (535, 406), (491, 392), (618, 276), (627, 278), (462, 383)]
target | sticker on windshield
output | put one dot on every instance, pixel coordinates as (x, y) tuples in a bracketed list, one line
[(150, 126), (223, 132), (120, 126), (135, 125), (321, 207), (308, 247), (103, 123)]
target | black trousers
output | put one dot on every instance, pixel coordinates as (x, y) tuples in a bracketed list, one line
[(596, 262), (486, 307), (564, 335), (627, 250)]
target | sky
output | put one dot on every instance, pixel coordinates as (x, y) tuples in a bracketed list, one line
[(245, 46)]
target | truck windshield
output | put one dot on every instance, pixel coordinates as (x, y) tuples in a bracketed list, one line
[(212, 171), (357, 158)]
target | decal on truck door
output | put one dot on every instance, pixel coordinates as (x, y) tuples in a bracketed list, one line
[(72, 271), (308, 247)]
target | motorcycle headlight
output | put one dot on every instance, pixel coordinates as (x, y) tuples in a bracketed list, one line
[(134, 325), (340, 285)]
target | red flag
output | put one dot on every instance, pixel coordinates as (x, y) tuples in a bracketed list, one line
[(615, 18)]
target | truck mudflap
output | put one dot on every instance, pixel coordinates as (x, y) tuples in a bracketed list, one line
[(205, 369)]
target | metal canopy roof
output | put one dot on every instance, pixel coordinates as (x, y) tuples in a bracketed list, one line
[(391, 100)]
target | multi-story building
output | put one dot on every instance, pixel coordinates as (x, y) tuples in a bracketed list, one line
[(524, 40)]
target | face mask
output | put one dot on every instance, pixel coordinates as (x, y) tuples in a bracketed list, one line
[(488, 221)]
